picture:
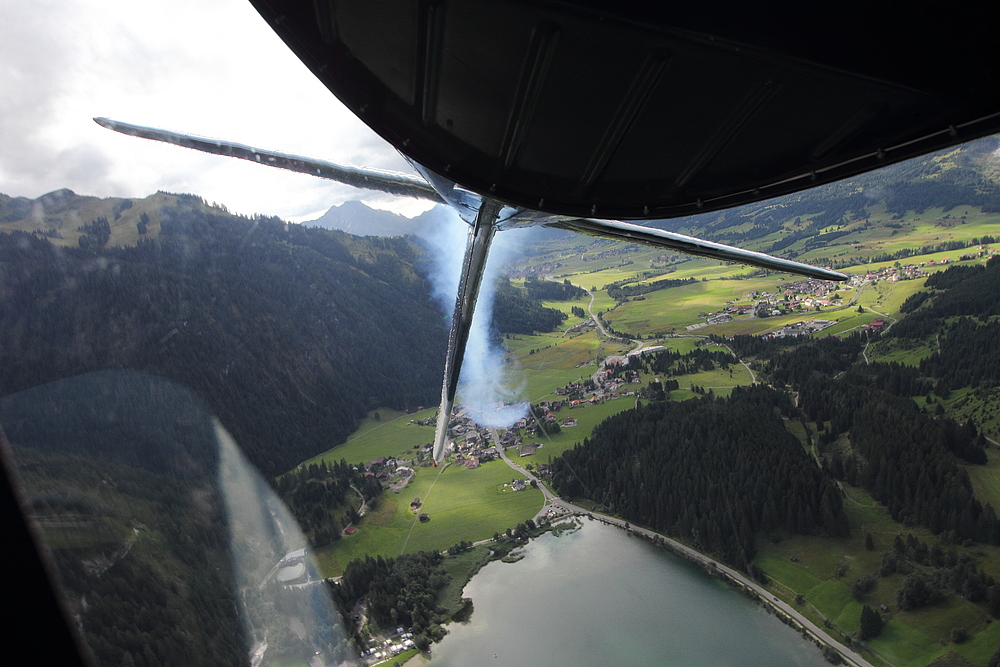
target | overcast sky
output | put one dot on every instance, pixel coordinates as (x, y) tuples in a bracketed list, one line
[(207, 67)]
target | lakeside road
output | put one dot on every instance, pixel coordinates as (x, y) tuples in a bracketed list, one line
[(551, 500), (849, 656)]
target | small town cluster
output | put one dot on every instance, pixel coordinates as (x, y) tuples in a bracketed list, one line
[(811, 295), (383, 648)]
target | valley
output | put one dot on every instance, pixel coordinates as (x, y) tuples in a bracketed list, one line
[(802, 570), (321, 351)]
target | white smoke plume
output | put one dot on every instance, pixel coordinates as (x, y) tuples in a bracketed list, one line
[(489, 388)]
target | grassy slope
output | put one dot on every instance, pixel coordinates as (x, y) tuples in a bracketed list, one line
[(471, 504), (83, 210), (392, 435), (463, 505), (911, 638)]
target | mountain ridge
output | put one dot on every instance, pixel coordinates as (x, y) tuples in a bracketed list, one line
[(355, 217)]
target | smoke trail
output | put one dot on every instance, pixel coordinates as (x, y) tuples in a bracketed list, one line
[(489, 389), (444, 235)]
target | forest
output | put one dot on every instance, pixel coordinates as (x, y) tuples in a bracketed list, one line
[(326, 499), (712, 471), (958, 310), (515, 312), (289, 334), (549, 290), (119, 472), (620, 293), (907, 459), (399, 591), (135, 496), (671, 362)]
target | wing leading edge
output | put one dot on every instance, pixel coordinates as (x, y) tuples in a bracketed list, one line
[(689, 245), (391, 182)]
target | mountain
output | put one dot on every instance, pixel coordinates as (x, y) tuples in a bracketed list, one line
[(356, 218), (794, 225), (64, 217), (289, 334)]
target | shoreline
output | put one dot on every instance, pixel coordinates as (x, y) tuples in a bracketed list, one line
[(735, 580), (742, 584)]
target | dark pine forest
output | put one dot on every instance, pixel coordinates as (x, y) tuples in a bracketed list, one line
[(712, 471), (724, 473), (289, 334)]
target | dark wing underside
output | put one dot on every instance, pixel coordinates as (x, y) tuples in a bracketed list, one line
[(634, 110)]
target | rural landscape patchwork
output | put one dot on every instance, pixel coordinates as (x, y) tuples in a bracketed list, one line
[(828, 449)]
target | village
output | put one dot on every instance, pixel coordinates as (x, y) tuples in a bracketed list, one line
[(810, 295), (382, 648)]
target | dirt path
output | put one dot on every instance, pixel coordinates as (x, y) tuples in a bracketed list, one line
[(416, 517)]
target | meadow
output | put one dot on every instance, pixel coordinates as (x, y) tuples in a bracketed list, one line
[(462, 504), (808, 566), (473, 504)]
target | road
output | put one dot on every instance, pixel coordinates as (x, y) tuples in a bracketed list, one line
[(753, 378), (551, 500), (549, 496), (590, 309), (850, 657), (864, 352)]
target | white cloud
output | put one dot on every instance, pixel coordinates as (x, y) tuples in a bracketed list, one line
[(208, 67)]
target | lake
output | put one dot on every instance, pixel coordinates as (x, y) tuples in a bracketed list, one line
[(596, 596)]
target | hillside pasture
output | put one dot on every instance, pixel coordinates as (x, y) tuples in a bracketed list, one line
[(392, 435), (462, 504)]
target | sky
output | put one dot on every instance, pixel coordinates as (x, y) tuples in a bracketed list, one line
[(207, 67)]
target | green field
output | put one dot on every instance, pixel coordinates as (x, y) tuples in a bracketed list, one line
[(473, 504), (588, 417), (462, 505), (911, 638), (903, 646), (392, 435), (986, 479), (673, 309), (901, 351)]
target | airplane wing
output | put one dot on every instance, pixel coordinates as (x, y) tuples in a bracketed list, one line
[(394, 183), (689, 245), (405, 185)]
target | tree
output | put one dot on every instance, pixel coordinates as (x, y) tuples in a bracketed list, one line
[(993, 601), (862, 586), (861, 309), (869, 542), (871, 623), (917, 591)]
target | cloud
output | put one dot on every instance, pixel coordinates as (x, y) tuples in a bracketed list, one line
[(208, 67), (32, 62)]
